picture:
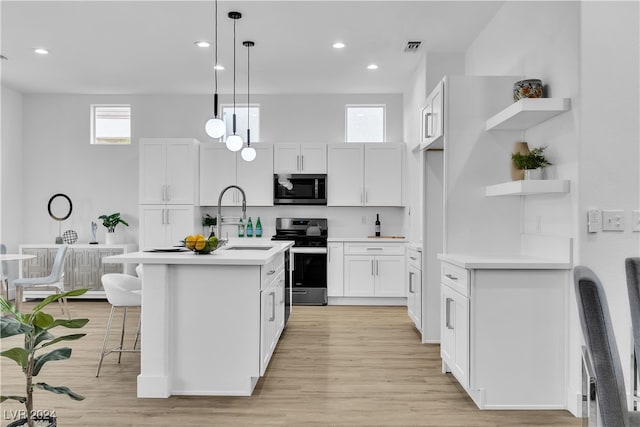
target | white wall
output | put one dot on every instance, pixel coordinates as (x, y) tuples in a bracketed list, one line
[(57, 156), (587, 51), (11, 172)]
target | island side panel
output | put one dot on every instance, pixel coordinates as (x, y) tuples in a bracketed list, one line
[(215, 329), (153, 380)]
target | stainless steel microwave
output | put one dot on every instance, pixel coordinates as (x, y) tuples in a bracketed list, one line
[(298, 189)]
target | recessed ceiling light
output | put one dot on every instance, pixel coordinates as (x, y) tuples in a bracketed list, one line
[(41, 51), (372, 67), (202, 43), (218, 67), (338, 45)]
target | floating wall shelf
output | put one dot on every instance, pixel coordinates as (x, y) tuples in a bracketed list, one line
[(528, 187), (528, 112)]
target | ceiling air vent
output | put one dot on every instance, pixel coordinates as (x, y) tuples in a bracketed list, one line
[(412, 46)]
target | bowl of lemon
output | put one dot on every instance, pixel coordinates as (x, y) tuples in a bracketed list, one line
[(201, 245)]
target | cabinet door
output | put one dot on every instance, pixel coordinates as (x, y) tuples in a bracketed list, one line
[(359, 276), (313, 158), (86, 269), (180, 223), (109, 268), (414, 296), (153, 228), (181, 171), (389, 276), (335, 269), (217, 171), (152, 171), (256, 177), (38, 266), (267, 325), (383, 175), (286, 158), (454, 342), (437, 107), (345, 174)]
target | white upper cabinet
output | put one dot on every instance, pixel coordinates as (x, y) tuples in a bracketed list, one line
[(364, 174), (432, 121), (300, 158), (168, 171), (220, 168)]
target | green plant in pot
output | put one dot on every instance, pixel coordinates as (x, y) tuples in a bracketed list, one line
[(35, 352), (111, 221), (210, 222), (534, 160)]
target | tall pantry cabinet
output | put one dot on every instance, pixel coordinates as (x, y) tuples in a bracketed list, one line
[(168, 190)]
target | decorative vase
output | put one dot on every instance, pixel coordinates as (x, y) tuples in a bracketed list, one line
[(522, 148), (111, 238), (533, 174), (531, 88)]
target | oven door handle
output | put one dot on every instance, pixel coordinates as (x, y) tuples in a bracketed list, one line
[(308, 250)]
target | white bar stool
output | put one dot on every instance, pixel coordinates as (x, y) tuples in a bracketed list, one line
[(122, 291)]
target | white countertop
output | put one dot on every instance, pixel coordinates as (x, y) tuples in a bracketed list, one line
[(222, 256), (505, 262), (368, 239)]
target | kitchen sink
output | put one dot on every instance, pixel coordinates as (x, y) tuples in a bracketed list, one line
[(248, 248)]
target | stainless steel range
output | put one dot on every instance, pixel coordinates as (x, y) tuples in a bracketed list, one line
[(308, 258)]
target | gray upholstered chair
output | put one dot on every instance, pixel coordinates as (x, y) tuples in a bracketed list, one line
[(602, 350), (632, 267)]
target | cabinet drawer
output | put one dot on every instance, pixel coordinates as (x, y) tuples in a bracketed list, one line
[(455, 277), (414, 258), (270, 270), (373, 249)]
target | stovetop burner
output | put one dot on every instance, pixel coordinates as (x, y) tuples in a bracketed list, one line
[(305, 232)]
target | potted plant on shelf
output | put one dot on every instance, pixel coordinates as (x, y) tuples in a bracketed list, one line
[(532, 163), (36, 327), (110, 221), (211, 222)]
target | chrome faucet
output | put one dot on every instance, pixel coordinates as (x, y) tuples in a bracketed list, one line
[(219, 216)]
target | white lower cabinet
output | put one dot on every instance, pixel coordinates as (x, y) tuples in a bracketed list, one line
[(503, 335), (165, 225), (380, 275), (414, 287), (272, 300), (335, 269)]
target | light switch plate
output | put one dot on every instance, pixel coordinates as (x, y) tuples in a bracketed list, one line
[(635, 221), (594, 220), (613, 220)]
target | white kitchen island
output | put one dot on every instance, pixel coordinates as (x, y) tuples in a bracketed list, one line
[(209, 322)]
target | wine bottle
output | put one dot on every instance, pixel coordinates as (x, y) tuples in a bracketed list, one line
[(249, 228), (240, 229), (258, 228), (377, 225)]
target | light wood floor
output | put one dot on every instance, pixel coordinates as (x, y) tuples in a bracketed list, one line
[(335, 365)]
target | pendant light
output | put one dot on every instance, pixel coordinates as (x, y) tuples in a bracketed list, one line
[(215, 126), (248, 153), (234, 142)]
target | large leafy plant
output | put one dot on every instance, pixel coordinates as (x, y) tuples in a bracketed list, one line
[(36, 327), (110, 221)]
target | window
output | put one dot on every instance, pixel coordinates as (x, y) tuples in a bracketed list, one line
[(241, 121), (111, 124), (365, 123)]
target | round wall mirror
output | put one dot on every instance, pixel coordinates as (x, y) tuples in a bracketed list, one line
[(60, 207)]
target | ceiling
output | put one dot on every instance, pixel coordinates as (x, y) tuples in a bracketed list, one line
[(147, 47)]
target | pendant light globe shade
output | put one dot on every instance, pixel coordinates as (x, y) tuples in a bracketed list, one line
[(214, 127), (248, 154), (234, 143)]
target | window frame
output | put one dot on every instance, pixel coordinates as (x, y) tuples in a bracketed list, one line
[(242, 131), (346, 121), (93, 108)]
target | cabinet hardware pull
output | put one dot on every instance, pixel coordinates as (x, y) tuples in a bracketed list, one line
[(377, 272), (366, 196), (362, 196), (429, 124), (411, 282), (448, 302), (162, 216), (167, 210), (273, 306), (302, 162), (449, 276), (372, 267), (298, 162)]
